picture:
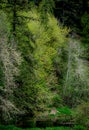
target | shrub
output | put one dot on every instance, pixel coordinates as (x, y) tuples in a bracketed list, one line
[(64, 115), (10, 127), (44, 124), (58, 128), (82, 114), (79, 127), (34, 129)]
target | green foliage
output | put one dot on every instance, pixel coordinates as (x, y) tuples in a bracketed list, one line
[(48, 128), (29, 123), (61, 115), (85, 24), (46, 123), (69, 12), (53, 72), (9, 128), (75, 73), (10, 59), (2, 76), (58, 128), (85, 32), (79, 127), (82, 114), (64, 110), (4, 24), (33, 129), (38, 76), (45, 8)]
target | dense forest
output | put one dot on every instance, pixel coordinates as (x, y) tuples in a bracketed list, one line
[(44, 64)]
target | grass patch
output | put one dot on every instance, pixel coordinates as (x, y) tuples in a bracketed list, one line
[(47, 128), (58, 128)]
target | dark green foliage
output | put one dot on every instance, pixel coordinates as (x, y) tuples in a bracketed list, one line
[(33, 129), (79, 127), (58, 128), (85, 26), (48, 128), (69, 12), (37, 79), (53, 72), (85, 33), (44, 124), (46, 7), (82, 114), (2, 76), (9, 128)]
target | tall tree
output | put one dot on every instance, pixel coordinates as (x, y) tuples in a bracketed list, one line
[(9, 57)]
